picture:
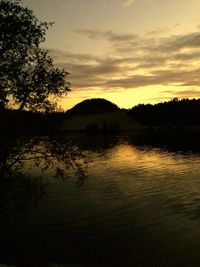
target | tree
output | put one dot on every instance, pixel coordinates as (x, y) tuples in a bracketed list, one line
[(28, 78)]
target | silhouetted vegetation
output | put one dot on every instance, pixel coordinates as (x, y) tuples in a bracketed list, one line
[(93, 106), (92, 127), (21, 188), (105, 127), (28, 78), (15, 122), (175, 112)]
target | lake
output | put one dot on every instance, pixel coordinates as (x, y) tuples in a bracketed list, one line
[(129, 201)]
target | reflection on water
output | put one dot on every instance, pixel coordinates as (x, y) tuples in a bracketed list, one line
[(27, 164), (139, 206)]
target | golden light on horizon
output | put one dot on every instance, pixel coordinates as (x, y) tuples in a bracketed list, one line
[(140, 52), (127, 98)]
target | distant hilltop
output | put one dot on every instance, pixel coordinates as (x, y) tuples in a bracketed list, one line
[(93, 106), (98, 115), (102, 115)]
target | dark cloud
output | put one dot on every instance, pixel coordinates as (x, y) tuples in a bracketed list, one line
[(176, 43), (187, 56), (65, 56), (162, 77), (85, 71), (167, 44), (134, 61), (108, 35), (161, 30)]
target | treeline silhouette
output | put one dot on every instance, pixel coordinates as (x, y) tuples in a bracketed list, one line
[(15, 122), (175, 112), (183, 112), (93, 106)]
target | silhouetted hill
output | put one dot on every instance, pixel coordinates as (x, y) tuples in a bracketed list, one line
[(175, 112), (93, 106)]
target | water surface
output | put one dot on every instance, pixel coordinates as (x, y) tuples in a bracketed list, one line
[(138, 206)]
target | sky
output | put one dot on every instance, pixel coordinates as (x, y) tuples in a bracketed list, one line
[(127, 51)]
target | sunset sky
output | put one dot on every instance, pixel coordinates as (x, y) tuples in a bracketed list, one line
[(127, 51)]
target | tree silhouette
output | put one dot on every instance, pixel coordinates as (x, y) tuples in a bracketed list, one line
[(28, 77), (175, 112), (20, 190)]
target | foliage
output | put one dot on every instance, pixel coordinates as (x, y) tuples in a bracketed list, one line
[(57, 153), (28, 77), (20, 123), (105, 127), (175, 112), (22, 188)]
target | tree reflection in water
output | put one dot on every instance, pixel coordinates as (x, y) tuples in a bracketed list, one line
[(22, 189)]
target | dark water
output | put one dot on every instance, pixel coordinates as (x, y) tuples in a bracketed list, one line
[(138, 206)]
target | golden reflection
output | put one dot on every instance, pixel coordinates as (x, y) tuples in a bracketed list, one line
[(138, 171), (156, 159)]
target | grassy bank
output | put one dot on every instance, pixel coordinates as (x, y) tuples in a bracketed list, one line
[(112, 121)]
